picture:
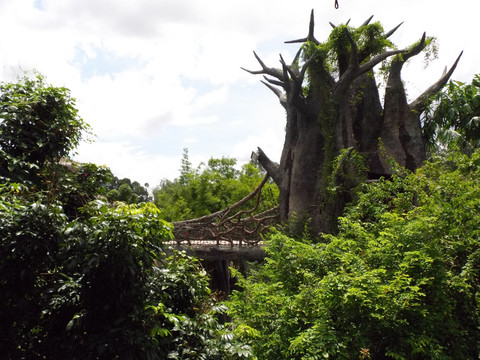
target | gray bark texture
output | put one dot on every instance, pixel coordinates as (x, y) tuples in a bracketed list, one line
[(329, 108)]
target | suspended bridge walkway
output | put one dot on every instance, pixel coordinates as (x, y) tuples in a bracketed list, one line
[(232, 233)]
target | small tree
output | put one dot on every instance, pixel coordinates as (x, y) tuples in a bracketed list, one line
[(332, 103), (453, 118), (38, 124)]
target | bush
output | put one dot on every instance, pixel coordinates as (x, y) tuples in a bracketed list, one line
[(102, 287)]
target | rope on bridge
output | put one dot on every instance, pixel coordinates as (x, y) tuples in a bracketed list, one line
[(244, 227)]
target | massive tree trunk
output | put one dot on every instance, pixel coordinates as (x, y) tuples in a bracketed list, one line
[(330, 108)]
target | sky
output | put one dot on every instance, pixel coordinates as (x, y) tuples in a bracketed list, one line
[(153, 77)]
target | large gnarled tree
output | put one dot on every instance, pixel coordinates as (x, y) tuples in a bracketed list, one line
[(332, 102)]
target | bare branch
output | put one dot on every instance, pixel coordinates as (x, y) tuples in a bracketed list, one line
[(415, 50), (420, 102), (390, 33), (396, 66), (296, 59), (280, 94), (310, 36), (274, 82), (367, 21), (293, 74), (286, 72), (271, 167), (304, 68), (276, 73)]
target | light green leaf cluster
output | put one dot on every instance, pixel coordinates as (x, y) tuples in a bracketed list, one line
[(209, 188), (453, 117)]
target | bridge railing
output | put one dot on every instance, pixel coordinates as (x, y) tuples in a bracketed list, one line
[(232, 225)]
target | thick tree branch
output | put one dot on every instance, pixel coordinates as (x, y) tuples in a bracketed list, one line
[(271, 167), (420, 102), (274, 82), (286, 72), (394, 83), (355, 69), (350, 73), (377, 60), (296, 59)]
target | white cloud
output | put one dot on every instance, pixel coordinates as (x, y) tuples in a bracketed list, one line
[(152, 76), (128, 160)]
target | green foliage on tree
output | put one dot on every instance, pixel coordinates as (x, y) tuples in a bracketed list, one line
[(209, 188), (399, 281), (453, 118), (39, 124), (127, 191)]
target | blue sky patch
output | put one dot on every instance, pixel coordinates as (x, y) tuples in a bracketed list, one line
[(103, 63), (39, 4)]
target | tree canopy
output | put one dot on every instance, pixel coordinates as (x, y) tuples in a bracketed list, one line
[(453, 117), (209, 188), (39, 124)]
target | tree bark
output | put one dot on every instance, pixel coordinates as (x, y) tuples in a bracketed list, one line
[(327, 111)]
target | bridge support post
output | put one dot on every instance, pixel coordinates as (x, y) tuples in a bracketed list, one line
[(221, 276)]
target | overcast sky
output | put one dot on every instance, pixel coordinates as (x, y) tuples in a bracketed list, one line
[(155, 76)]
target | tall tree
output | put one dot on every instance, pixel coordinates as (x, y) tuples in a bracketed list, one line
[(332, 103)]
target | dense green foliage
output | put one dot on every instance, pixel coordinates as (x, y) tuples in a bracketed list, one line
[(101, 286), (81, 278), (125, 190), (38, 124), (453, 118), (399, 281), (209, 188)]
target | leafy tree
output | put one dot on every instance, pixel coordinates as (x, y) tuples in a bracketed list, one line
[(209, 188), (399, 281), (453, 117), (127, 191), (39, 124)]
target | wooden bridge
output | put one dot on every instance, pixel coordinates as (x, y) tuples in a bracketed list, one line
[(237, 228), (228, 237)]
